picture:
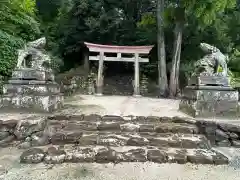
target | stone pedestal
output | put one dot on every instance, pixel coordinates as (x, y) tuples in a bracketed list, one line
[(214, 99), (32, 90)]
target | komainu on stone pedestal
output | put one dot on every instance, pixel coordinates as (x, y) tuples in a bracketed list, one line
[(209, 93), (32, 84)]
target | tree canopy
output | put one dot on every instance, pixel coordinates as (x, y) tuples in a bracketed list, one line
[(67, 23)]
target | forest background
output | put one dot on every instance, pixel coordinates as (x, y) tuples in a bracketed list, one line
[(174, 27)]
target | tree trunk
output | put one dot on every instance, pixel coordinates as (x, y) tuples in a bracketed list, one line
[(162, 71), (174, 77)]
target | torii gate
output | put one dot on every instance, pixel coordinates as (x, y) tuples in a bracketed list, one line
[(119, 50)]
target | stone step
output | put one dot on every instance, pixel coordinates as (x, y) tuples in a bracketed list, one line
[(121, 125), (115, 118), (86, 138), (101, 154)]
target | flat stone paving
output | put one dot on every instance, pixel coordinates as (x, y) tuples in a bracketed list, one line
[(10, 169)]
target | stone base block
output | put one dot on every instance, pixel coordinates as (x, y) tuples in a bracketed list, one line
[(39, 103), (30, 88), (209, 80), (32, 74), (209, 102)]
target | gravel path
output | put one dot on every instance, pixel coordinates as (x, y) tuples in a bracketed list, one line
[(125, 171)]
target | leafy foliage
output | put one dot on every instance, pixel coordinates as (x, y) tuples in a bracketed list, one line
[(68, 23), (17, 26)]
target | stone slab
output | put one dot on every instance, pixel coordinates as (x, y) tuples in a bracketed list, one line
[(39, 103), (29, 82), (32, 74), (117, 155), (209, 80), (209, 103), (30, 88)]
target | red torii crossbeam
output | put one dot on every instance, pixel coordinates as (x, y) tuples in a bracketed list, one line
[(119, 50)]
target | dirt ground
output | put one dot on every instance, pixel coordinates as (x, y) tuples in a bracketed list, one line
[(11, 169)]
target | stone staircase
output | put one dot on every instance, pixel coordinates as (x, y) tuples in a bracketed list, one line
[(115, 139)]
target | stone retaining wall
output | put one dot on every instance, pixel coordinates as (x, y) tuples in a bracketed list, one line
[(220, 134), (91, 138)]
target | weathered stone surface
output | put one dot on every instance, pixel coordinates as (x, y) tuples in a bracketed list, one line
[(129, 118), (146, 128), (221, 135), (159, 142), (109, 127), (54, 156), (86, 126), (140, 119), (152, 119), (106, 155), (166, 119), (135, 155), (50, 130), (220, 159), (59, 117), (236, 143), (183, 120), (40, 103), (209, 129), (230, 127), (40, 139), (3, 135), (111, 140), (27, 128), (76, 117), (157, 156), (200, 158), (66, 137), (233, 135), (10, 124), (202, 143), (78, 155), (224, 143), (129, 127), (5, 142), (88, 139), (92, 117), (179, 157), (137, 141), (176, 128), (112, 118), (31, 88), (32, 156), (202, 102), (25, 145)]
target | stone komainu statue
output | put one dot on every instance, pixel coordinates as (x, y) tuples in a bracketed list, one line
[(34, 56), (210, 63)]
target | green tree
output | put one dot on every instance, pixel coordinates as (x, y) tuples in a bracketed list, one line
[(206, 12), (17, 25)]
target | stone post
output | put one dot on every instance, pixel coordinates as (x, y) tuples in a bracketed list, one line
[(136, 76), (86, 61), (99, 86)]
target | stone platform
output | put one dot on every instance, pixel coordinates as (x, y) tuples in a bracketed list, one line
[(31, 89), (210, 101), (38, 102)]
